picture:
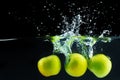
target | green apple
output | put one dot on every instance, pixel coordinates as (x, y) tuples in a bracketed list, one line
[(49, 66), (100, 65), (76, 66)]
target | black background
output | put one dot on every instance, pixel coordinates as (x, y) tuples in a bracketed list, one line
[(18, 58)]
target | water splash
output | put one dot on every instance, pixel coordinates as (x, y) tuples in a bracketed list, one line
[(63, 43), (72, 27)]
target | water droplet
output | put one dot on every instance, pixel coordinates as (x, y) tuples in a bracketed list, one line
[(26, 17), (9, 13), (58, 26), (45, 6)]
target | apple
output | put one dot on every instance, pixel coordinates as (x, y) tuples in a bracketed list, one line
[(76, 66), (100, 65), (49, 66)]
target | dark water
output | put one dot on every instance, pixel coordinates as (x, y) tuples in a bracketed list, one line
[(23, 21), (18, 60)]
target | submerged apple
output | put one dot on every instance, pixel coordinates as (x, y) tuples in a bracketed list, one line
[(100, 65), (49, 66), (76, 66)]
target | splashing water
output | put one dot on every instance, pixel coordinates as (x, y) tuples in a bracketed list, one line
[(73, 27), (63, 43)]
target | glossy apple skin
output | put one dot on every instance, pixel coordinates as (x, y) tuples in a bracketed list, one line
[(100, 65), (49, 66), (76, 66)]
